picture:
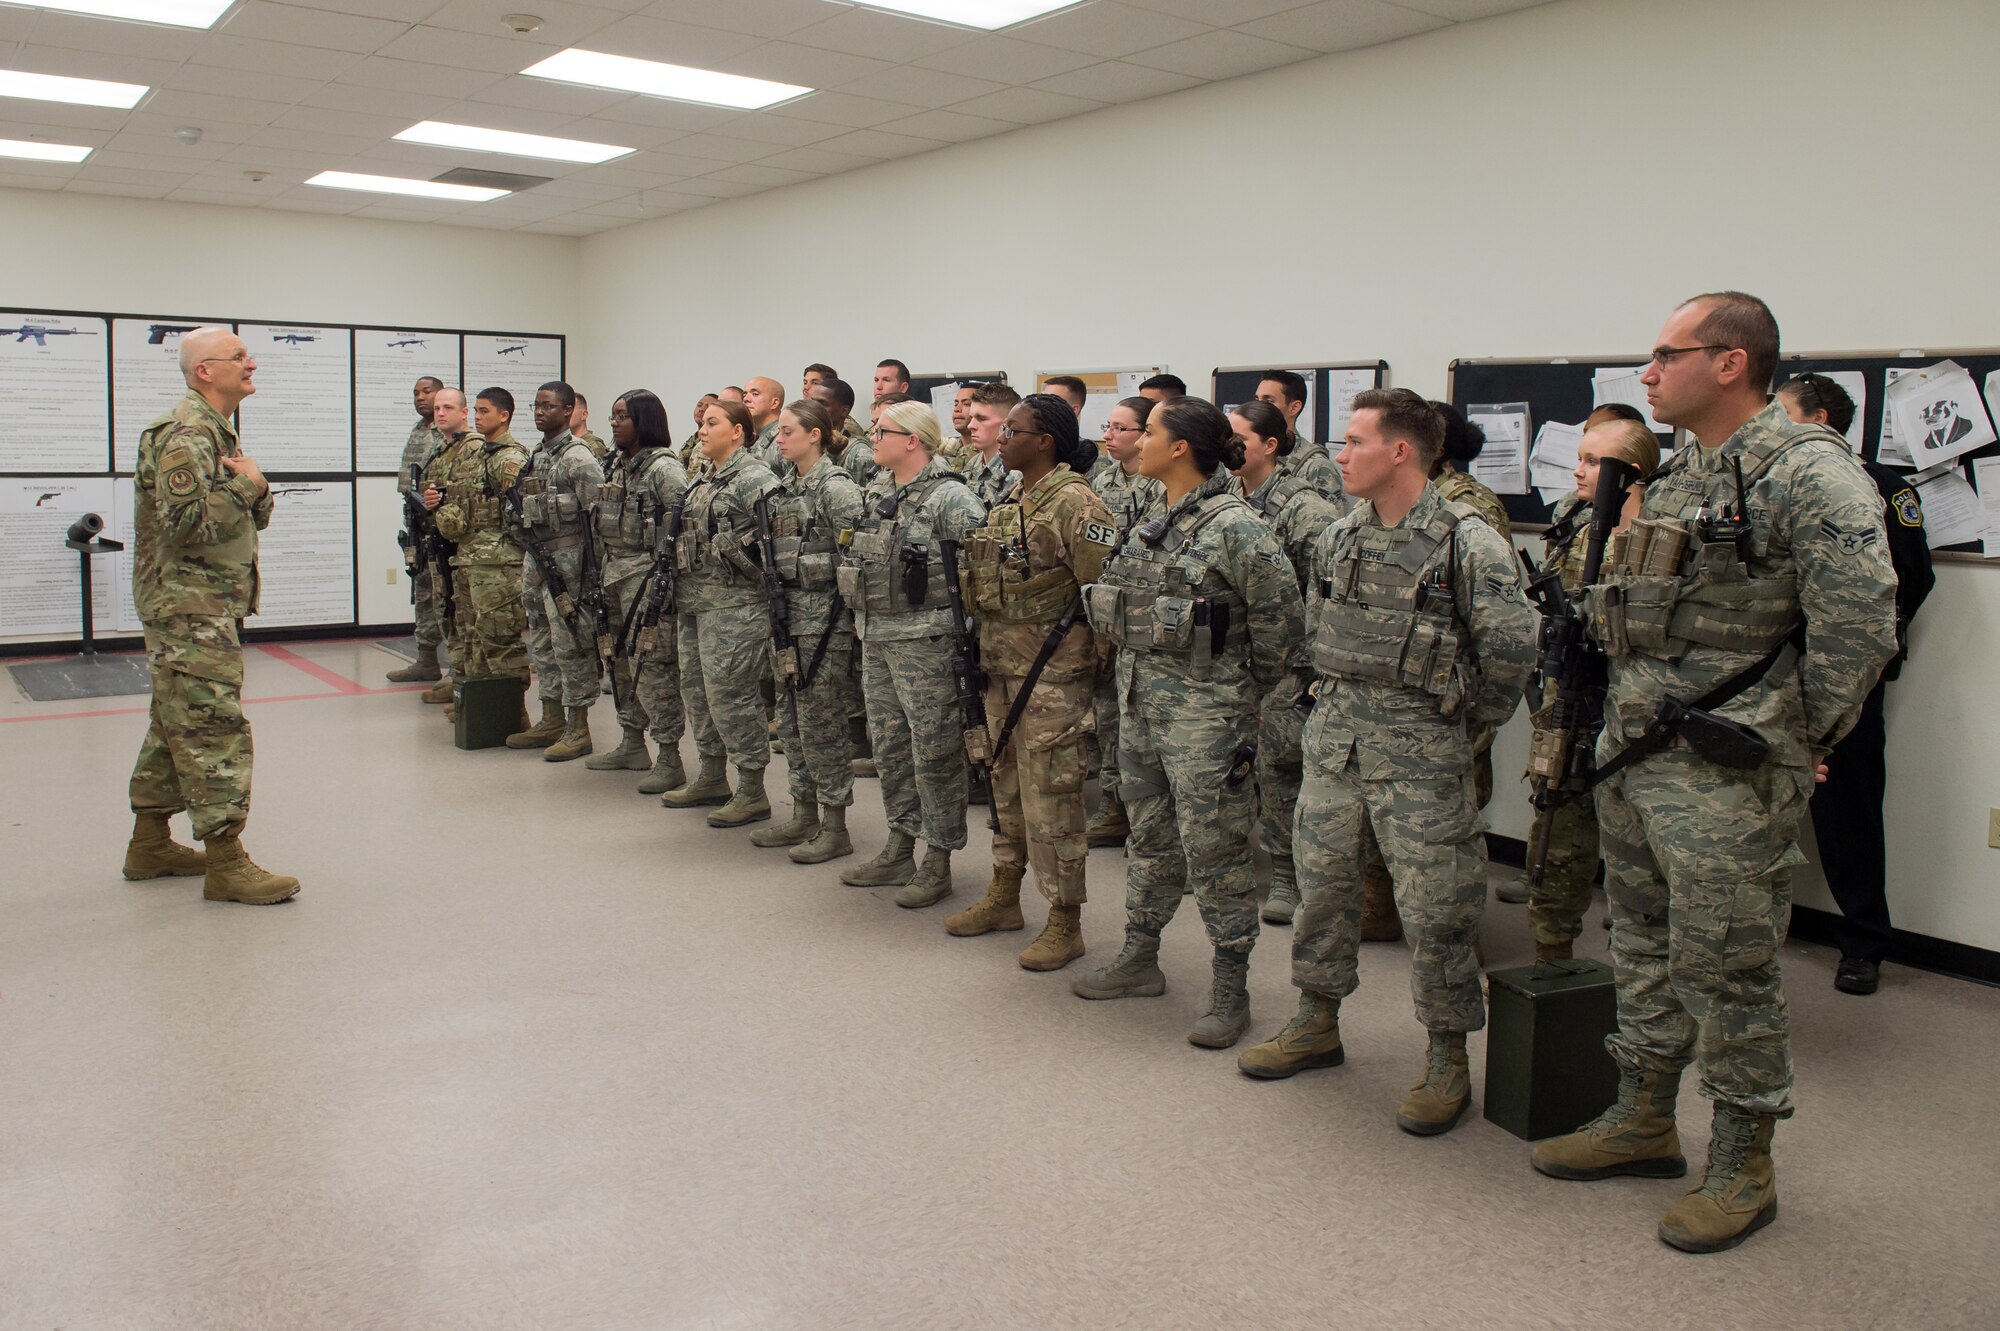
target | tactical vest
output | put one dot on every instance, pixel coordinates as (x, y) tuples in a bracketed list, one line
[(556, 517), (1150, 597), (1001, 582), (709, 547), (1666, 588), (892, 566), (1271, 500), (481, 504), (629, 522), (806, 551), (1382, 618)]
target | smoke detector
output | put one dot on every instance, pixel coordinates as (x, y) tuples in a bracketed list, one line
[(189, 135), (256, 177), (522, 23)]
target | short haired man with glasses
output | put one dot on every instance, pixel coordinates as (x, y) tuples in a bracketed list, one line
[(198, 504), (1755, 594)]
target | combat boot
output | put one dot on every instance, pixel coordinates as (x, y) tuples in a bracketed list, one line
[(1551, 952), (153, 852), (1228, 1014), (998, 911), (802, 827), (438, 692), (232, 876), (1135, 974), (892, 868), (1109, 826), (1379, 921), (1059, 943), (748, 805), (1635, 1136), (629, 756), (1739, 1190), (710, 786), (545, 731), (575, 739), (423, 670), (931, 883), (1435, 1103), (667, 773), (832, 841), (863, 767), (1281, 904), (1310, 1040)]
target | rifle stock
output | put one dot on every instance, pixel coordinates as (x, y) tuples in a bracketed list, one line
[(968, 680), (784, 642)]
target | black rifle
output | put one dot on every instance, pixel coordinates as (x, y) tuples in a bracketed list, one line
[(599, 605), (544, 562), (413, 539), (659, 584), (784, 642), (1561, 759), (968, 680)]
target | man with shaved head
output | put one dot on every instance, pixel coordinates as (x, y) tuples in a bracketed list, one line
[(198, 506), (423, 444), (765, 399)]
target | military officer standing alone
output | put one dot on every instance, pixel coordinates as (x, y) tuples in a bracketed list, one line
[(424, 444), (1025, 572), (198, 504), (1421, 637), (1778, 616)]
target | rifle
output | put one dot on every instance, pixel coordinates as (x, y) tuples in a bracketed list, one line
[(968, 680), (1561, 760), (416, 545), (784, 642), (659, 582), (544, 562), (594, 598)]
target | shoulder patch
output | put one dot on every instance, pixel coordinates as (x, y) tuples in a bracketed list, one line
[(181, 482), (1851, 541), (1909, 510), (1100, 533)]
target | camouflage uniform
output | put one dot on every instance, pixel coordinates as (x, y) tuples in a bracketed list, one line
[(989, 480), (633, 508), (487, 567), (1458, 487), (1555, 910), (725, 638), (765, 448), (1131, 499), (598, 448), (1024, 569), (807, 517), (1298, 514), (913, 718), (455, 624), (857, 457), (194, 577), (1698, 856), (1422, 637), (426, 441), (1188, 695), (558, 487), (1313, 462)]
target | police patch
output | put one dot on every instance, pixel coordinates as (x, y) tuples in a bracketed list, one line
[(1100, 533), (1908, 509), (181, 483), (1850, 541)]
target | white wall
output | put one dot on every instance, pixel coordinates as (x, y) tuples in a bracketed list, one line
[(89, 252), (1545, 183)]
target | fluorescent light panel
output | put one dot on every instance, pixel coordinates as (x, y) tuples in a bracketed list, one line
[(178, 13), (988, 14), (82, 92), (423, 189), (594, 69), (446, 135), (43, 152)]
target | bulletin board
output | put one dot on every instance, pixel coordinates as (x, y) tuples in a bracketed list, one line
[(1102, 390), (1330, 386)]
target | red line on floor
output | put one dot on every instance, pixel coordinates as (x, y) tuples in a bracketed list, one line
[(356, 692), (313, 668)]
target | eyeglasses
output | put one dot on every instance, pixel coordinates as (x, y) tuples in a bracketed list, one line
[(237, 359), (1009, 432), (882, 430), (1120, 429), (1665, 356)]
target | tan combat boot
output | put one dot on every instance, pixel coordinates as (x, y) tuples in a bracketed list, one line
[(629, 756), (802, 827), (545, 731), (893, 867), (830, 843), (998, 911), (1310, 1040), (575, 740), (1059, 943), (1228, 1014), (667, 773), (1379, 921), (930, 884), (1635, 1136), (423, 670), (232, 876), (710, 786), (1109, 826), (748, 805), (1739, 1190), (153, 852), (438, 692), (1135, 974), (1435, 1103), (1281, 903)]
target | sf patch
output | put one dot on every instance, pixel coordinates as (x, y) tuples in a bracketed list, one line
[(1905, 505), (1852, 541), (181, 482), (1100, 533)]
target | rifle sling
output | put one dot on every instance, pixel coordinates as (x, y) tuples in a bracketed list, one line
[(1656, 741), (1050, 645)]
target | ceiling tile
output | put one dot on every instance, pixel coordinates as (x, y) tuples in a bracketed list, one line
[(128, 144), (192, 194), (843, 108), (194, 108), (24, 180), (660, 112), (926, 88), (248, 53), (721, 147), (311, 199), (950, 126), (442, 46), (1209, 11), (1112, 81), (125, 175), (1028, 106), (788, 62), (360, 124), (276, 160), (892, 37), (718, 189), (874, 143), (681, 164), (281, 88), (25, 119), (818, 160), (308, 141), (759, 18), (595, 130), (77, 32), (561, 228), (1221, 55), (82, 186), (409, 11), (15, 24), (631, 177), (93, 65), (163, 128), (1464, 11), (311, 27), (412, 106), (541, 95), (777, 130), (1342, 25), (417, 76), (675, 43), (1108, 28), (563, 23), (1006, 60), (758, 174)]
